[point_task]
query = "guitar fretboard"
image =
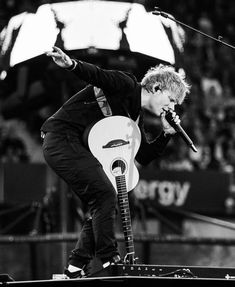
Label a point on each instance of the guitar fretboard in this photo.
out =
(123, 201)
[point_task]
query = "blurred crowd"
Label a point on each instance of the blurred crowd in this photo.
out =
(210, 109)
(208, 114)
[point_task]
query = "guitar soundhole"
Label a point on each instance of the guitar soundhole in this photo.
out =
(118, 167)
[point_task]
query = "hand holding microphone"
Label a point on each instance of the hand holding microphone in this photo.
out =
(173, 119)
(167, 127)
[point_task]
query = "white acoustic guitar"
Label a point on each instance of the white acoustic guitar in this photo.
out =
(114, 141)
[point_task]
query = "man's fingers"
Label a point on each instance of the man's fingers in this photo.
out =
(49, 53)
(55, 52)
(57, 49)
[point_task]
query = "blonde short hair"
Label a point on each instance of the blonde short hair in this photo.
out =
(164, 77)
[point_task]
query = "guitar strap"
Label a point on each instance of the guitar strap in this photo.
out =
(102, 102)
(104, 105)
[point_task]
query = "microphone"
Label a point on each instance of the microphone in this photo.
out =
(158, 12)
(180, 130)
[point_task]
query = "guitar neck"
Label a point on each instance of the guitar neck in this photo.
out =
(123, 201)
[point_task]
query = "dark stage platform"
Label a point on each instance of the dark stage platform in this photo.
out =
(124, 275)
(124, 281)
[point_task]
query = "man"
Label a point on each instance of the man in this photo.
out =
(108, 93)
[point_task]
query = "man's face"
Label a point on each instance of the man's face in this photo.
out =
(162, 100)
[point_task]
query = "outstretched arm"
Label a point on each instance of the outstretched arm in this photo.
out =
(108, 80)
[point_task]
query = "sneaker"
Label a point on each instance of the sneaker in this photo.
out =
(116, 259)
(76, 274)
(82, 273)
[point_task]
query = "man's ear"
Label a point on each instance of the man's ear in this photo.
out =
(156, 87)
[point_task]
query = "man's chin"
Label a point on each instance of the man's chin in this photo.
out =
(157, 113)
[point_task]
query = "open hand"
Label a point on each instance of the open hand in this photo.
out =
(59, 57)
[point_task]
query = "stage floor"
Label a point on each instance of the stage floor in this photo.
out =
(124, 281)
(124, 275)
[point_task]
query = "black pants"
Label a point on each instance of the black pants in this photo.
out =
(75, 164)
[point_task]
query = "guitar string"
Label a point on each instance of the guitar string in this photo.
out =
(127, 228)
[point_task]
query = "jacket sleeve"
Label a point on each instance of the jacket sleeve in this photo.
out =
(107, 80)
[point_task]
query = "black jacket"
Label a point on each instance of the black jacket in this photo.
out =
(123, 93)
